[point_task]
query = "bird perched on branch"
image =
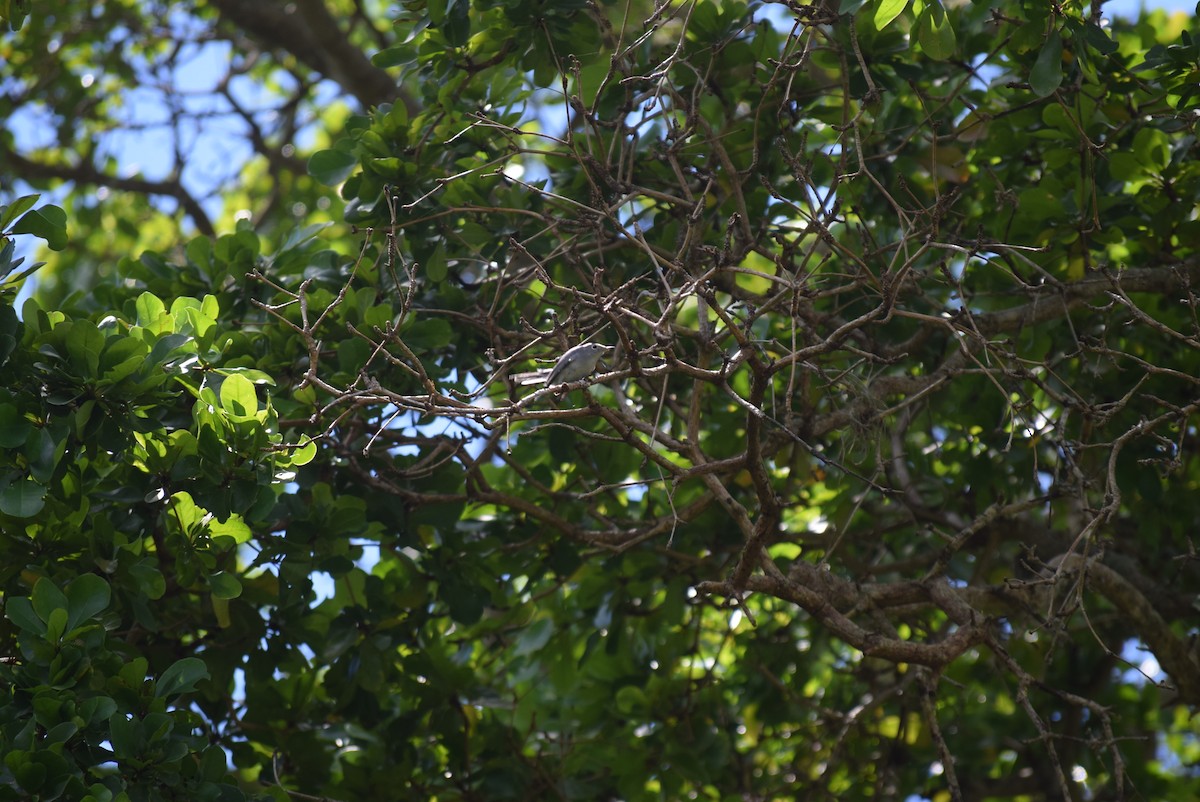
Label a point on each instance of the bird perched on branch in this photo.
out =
(577, 363)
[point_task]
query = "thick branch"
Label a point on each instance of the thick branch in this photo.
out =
(85, 173)
(307, 31)
(816, 591)
(1170, 650)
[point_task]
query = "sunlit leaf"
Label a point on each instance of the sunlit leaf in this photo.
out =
(886, 11)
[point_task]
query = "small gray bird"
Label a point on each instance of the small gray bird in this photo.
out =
(577, 363)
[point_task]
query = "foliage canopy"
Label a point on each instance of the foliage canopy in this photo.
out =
(886, 490)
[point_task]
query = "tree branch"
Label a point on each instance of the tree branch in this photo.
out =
(85, 173)
(306, 30)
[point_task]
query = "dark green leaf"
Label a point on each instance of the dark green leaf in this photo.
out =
(1047, 73)
(13, 13)
(14, 427)
(84, 344)
(392, 57)
(1098, 40)
(225, 586)
(428, 335)
(457, 25)
(436, 266)
(331, 167)
(149, 580)
(15, 209)
(534, 638)
(47, 598)
(125, 735)
(19, 610)
(87, 595)
(48, 222)
(23, 498)
(96, 709)
(181, 677)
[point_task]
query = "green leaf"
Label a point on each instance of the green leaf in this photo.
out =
(133, 673)
(304, 454)
(19, 610)
(935, 33)
(96, 709)
(47, 598)
(238, 397)
(149, 310)
(1095, 38)
(9, 326)
(15, 209)
(84, 344)
(61, 732)
(181, 677)
(166, 346)
(14, 427)
(1152, 149)
(13, 13)
(234, 528)
(457, 25)
(29, 774)
(428, 334)
(8, 260)
(149, 580)
(464, 599)
(225, 585)
(436, 265)
(56, 624)
(888, 10)
(1047, 74)
(253, 374)
(125, 735)
(43, 451)
(393, 56)
(220, 608)
(48, 222)
(87, 595)
(24, 498)
(534, 637)
(187, 512)
(332, 167)
(630, 700)
(199, 252)
(214, 763)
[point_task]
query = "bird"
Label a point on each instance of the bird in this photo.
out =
(577, 363)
